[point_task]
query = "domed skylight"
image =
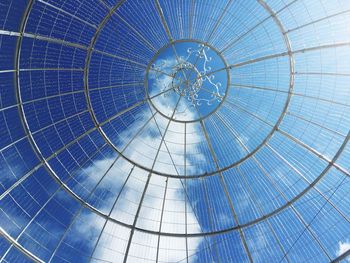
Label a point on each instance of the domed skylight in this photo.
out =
(174, 130)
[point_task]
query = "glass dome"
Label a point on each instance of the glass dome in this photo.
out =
(174, 131)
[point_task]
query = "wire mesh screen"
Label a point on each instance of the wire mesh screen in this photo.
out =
(174, 131)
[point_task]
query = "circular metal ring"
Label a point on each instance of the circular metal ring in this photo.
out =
(223, 169)
(52, 172)
(226, 68)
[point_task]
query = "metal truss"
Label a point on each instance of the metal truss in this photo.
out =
(290, 53)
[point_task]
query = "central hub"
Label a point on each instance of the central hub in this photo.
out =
(187, 81)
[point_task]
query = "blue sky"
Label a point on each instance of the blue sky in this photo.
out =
(255, 180)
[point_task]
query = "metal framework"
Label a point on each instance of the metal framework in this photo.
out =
(173, 43)
(275, 129)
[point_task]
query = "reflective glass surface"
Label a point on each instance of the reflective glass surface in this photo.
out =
(174, 131)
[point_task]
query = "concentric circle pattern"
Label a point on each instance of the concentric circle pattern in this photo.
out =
(174, 131)
(193, 71)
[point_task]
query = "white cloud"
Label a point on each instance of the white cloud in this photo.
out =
(173, 222)
(343, 247)
(165, 103)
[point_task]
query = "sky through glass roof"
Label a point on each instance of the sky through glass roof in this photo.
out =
(174, 131)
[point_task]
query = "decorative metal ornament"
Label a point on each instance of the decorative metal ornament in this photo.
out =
(189, 80)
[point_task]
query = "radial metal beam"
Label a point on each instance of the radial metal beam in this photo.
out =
(67, 13)
(301, 219)
(43, 38)
(70, 44)
(224, 186)
(136, 32)
(20, 180)
(218, 20)
(162, 72)
(161, 216)
(317, 21)
(323, 73)
(244, 86)
(47, 69)
(172, 42)
(343, 256)
(147, 183)
(223, 183)
(240, 86)
(162, 18)
(229, 45)
(110, 212)
(167, 30)
(9, 33)
(315, 124)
